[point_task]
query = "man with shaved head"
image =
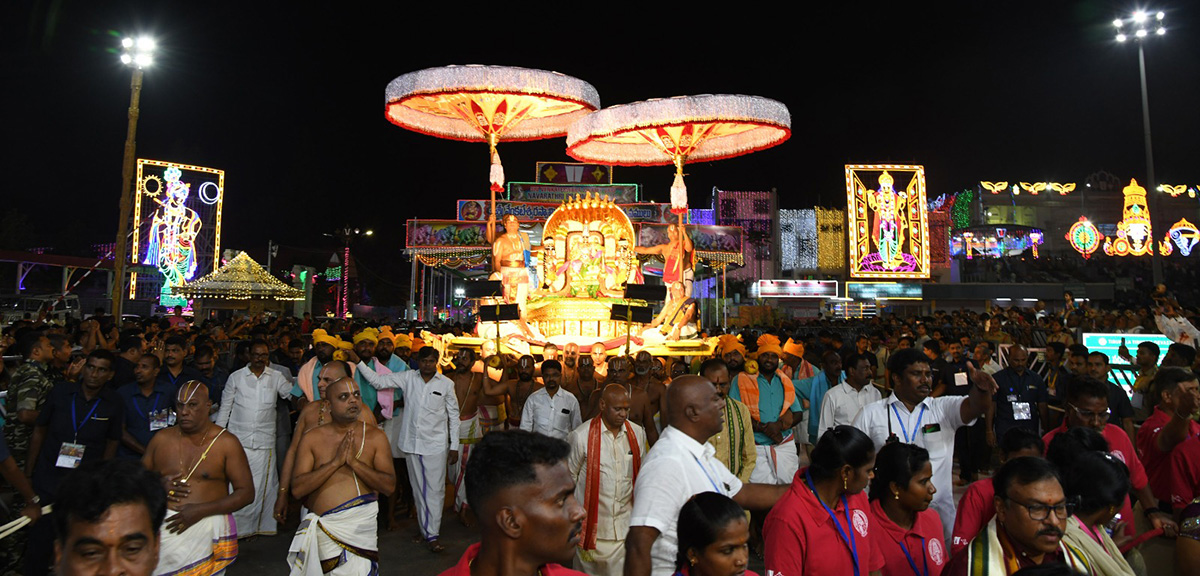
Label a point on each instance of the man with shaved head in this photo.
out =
(312, 415)
(341, 468)
(207, 478)
(680, 465)
(606, 454)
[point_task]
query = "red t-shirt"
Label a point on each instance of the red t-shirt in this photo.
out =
(1184, 482)
(976, 508)
(923, 542)
(1119, 446)
(799, 523)
(1156, 461)
(463, 568)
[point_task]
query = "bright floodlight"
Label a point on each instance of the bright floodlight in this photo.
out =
(137, 52)
(1118, 22)
(368, 232)
(1139, 16)
(1160, 31)
(1122, 37)
(1141, 33)
(1160, 15)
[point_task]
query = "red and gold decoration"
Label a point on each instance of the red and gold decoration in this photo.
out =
(488, 104)
(673, 131)
(1084, 237)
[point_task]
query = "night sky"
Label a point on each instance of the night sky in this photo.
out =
(289, 102)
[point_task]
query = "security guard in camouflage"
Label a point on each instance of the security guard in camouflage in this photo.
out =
(27, 392)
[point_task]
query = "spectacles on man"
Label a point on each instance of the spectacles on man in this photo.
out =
(1038, 512)
(1088, 415)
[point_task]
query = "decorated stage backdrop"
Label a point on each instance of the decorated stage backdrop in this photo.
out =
(888, 227)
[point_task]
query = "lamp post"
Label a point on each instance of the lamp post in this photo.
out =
(1139, 25)
(136, 54)
(345, 234)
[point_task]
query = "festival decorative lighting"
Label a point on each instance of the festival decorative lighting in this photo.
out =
(888, 228)
(1084, 237)
(241, 279)
(1033, 188)
(831, 240)
(960, 212)
(1184, 234)
(798, 239)
(677, 130)
(488, 104)
(1135, 237)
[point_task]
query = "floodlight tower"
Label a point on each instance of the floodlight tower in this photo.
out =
(137, 54)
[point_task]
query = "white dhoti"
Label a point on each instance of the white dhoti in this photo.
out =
(775, 464)
(391, 429)
(206, 548)
(258, 516)
(608, 559)
(427, 475)
(343, 540)
(470, 432)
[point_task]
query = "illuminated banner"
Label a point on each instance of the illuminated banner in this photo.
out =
(447, 234)
(726, 239)
(455, 234)
(573, 173)
(532, 192)
(476, 211)
(889, 232)
(794, 289)
(1134, 236)
(177, 224)
(883, 291)
(1110, 344)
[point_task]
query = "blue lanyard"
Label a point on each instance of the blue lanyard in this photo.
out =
(77, 424)
(912, 563)
(920, 417)
(846, 536)
(706, 475)
(138, 409)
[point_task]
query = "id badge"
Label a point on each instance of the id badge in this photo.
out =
(170, 416)
(960, 379)
(158, 420)
(1021, 411)
(1012, 397)
(70, 455)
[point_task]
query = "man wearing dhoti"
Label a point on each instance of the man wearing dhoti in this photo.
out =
(248, 411)
(209, 479)
(606, 453)
(316, 413)
(428, 435)
(468, 387)
(341, 468)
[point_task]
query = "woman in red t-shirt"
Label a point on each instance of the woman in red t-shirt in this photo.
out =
(713, 537)
(907, 532)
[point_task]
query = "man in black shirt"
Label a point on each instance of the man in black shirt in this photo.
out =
(80, 422)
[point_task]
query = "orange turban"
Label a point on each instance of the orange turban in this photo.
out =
(769, 343)
(794, 348)
(729, 343)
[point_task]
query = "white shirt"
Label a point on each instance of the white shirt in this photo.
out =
(248, 406)
(430, 423)
(676, 468)
(553, 416)
(945, 415)
(842, 403)
(615, 493)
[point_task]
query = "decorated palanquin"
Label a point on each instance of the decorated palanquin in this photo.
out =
(587, 257)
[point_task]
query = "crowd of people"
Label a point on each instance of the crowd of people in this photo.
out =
(829, 447)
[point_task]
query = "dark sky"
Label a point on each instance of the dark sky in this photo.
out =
(289, 101)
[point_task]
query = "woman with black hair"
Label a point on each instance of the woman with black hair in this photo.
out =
(908, 534)
(713, 537)
(1098, 483)
(821, 525)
